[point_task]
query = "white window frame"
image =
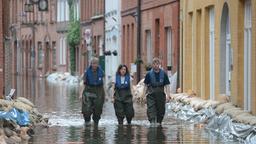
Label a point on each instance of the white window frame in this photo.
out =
(169, 46)
(212, 51)
(60, 51)
(247, 55)
(64, 50)
(149, 46)
(66, 11)
(229, 57)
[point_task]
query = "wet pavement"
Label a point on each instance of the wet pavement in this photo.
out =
(61, 104)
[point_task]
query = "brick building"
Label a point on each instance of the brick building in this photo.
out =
(39, 38)
(159, 32)
(5, 76)
(218, 50)
(92, 29)
(129, 28)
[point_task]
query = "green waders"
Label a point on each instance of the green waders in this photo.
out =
(156, 104)
(123, 105)
(92, 102)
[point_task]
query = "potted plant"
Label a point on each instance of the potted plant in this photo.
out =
(138, 61)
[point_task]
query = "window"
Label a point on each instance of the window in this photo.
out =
(52, 12)
(128, 48)
(211, 46)
(77, 8)
(149, 46)
(31, 53)
(54, 53)
(62, 52)
(40, 54)
(65, 9)
(62, 10)
(168, 33)
(247, 55)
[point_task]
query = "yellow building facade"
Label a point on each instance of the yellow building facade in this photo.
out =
(218, 50)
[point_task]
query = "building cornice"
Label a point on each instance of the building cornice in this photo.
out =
(147, 6)
(128, 12)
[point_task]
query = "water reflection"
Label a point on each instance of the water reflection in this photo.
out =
(156, 135)
(94, 134)
(60, 102)
(123, 134)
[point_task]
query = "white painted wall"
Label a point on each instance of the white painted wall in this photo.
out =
(112, 36)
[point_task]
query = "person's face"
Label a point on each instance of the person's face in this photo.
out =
(94, 65)
(122, 71)
(156, 66)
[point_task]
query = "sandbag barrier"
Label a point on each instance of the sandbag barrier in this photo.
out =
(66, 78)
(18, 118)
(222, 118)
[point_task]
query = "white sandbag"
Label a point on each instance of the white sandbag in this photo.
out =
(220, 108)
(22, 106)
(211, 103)
(26, 101)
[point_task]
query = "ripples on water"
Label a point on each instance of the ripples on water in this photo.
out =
(61, 104)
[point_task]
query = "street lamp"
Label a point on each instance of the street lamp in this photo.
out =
(43, 5)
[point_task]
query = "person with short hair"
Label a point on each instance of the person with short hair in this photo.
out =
(157, 92)
(122, 98)
(93, 94)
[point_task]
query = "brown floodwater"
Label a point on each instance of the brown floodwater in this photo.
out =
(61, 104)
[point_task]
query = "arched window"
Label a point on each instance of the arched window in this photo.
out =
(226, 54)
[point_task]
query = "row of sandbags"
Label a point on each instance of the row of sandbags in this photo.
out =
(189, 98)
(236, 113)
(10, 130)
(221, 117)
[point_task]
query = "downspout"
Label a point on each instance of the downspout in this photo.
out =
(180, 51)
(138, 40)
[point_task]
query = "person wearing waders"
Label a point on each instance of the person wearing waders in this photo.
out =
(93, 94)
(157, 91)
(122, 98)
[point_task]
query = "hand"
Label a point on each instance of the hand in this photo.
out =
(80, 97)
(113, 99)
(167, 98)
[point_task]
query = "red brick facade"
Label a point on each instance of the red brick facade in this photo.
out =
(37, 41)
(129, 29)
(157, 17)
(92, 19)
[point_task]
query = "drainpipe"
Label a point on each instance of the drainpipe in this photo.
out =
(138, 40)
(180, 46)
(104, 27)
(180, 49)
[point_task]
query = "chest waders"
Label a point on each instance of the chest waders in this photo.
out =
(93, 95)
(92, 103)
(123, 105)
(156, 98)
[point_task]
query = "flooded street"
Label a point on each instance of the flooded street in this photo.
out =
(61, 104)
